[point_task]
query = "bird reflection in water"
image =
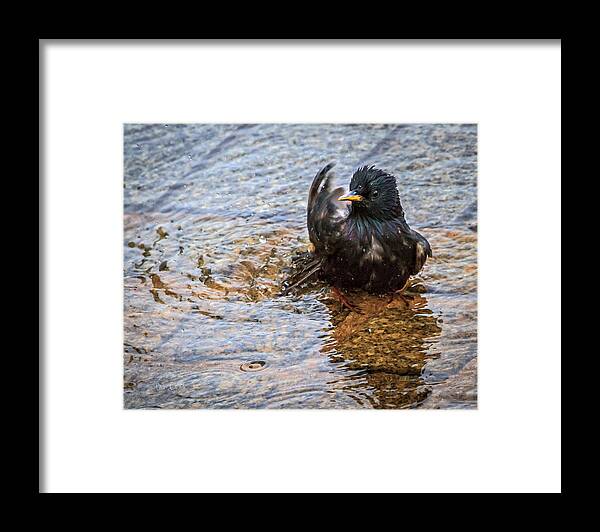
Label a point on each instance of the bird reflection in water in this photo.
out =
(388, 343)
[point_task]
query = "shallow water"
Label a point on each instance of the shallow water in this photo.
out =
(213, 216)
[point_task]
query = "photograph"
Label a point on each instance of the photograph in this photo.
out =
(300, 266)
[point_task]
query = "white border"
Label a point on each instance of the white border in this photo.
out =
(512, 443)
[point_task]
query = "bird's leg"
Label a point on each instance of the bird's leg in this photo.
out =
(399, 293)
(344, 301)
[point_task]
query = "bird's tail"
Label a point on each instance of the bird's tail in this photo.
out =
(305, 266)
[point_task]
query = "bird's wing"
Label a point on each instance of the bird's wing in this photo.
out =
(324, 214)
(324, 217)
(422, 251)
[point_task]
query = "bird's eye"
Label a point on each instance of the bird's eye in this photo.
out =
(374, 193)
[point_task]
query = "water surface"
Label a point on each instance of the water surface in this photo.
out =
(213, 216)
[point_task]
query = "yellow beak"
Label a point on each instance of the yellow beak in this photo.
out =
(351, 196)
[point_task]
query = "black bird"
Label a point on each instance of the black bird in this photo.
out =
(363, 244)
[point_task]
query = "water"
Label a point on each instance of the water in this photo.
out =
(213, 215)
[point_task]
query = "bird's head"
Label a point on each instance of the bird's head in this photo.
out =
(373, 192)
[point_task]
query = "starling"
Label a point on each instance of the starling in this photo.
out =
(361, 239)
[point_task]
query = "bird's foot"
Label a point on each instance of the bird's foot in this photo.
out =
(344, 301)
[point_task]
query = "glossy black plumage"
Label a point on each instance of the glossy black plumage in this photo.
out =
(364, 243)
